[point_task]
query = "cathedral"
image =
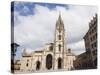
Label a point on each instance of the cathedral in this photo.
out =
(55, 56)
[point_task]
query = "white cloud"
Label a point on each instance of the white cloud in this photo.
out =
(77, 47)
(34, 31)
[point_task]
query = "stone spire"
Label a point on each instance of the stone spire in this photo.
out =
(59, 43)
(59, 23)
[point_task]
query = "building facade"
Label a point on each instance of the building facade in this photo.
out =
(91, 36)
(83, 61)
(91, 40)
(13, 54)
(55, 56)
(88, 59)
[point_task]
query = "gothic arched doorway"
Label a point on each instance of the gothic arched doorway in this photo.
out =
(49, 61)
(38, 65)
(59, 63)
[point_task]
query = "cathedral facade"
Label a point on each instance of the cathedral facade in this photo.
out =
(55, 56)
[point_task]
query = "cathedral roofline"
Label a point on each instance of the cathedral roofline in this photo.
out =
(70, 54)
(49, 43)
(38, 51)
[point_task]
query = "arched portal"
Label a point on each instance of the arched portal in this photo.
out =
(59, 63)
(38, 65)
(49, 61)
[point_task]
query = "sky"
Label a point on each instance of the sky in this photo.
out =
(34, 24)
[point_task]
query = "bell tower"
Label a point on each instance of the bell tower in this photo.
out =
(59, 44)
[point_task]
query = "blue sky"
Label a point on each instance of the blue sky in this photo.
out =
(19, 6)
(34, 24)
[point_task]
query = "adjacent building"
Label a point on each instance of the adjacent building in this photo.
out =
(83, 61)
(91, 40)
(88, 59)
(14, 49)
(91, 36)
(13, 54)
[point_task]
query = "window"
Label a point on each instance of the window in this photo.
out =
(95, 44)
(92, 30)
(51, 48)
(49, 61)
(91, 38)
(59, 29)
(59, 47)
(38, 65)
(27, 64)
(59, 36)
(59, 63)
(92, 45)
(96, 35)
